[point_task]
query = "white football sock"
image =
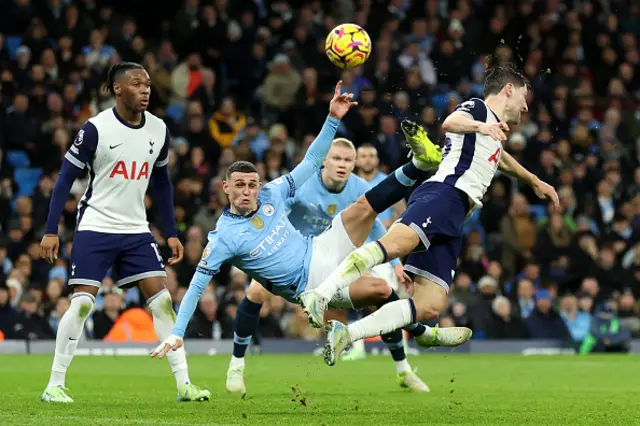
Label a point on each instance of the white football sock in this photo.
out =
(164, 318)
(388, 318)
(236, 363)
(357, 263)
(402, 366)
(69, 333)
(425, 167)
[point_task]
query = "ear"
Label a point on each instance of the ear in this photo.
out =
(225, 187)
(117, 89)
(508, 89)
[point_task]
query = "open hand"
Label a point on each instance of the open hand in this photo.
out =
(545, 191)
(340, 103)
(171, 343)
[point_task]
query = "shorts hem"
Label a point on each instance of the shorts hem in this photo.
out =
(140, 276)
(423, 237)
(428, 275)
(85, 281)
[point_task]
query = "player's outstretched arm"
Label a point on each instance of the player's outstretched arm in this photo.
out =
(512, 167)
(317, 152)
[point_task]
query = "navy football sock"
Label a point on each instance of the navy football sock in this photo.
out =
(395, 187)
(395, 344)
(247, 319)
(415, 329)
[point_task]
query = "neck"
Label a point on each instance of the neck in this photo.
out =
(368, 176)
(332, 185)
(497, 105)
(243, 212)
(132, 117)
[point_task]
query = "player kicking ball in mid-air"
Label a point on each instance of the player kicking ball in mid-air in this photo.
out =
(256, 235)
(312, 209)
(430, 232)
(123, 148)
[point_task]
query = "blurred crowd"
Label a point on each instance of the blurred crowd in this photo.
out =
(248, 80)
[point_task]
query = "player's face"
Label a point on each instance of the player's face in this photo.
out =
(339, 163)
(135, 89)
(516, 104)
(367, 159)
(242, 190)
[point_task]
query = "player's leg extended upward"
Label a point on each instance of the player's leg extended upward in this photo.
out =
(359, 217)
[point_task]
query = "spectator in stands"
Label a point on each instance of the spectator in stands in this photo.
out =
(544, 322)
(104, 319)
(518, 235)
(505, 325)
(225, 124)
(9, 316)
(205, 323)
(31, 323)
(577, 322)
(606, 333)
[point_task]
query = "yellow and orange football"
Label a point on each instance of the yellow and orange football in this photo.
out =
(348, 46)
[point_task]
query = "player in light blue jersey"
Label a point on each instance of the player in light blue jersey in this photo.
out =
(314, 206)
(367, 168)
(255, 234)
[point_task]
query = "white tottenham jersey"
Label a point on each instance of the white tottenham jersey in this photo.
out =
(120, 158)
(469, 161)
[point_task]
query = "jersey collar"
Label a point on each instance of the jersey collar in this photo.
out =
(143, 119)
(227, 212)
(331, 191)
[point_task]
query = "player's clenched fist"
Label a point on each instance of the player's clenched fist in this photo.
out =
(177, 250)
(49, 248)
(171, 343)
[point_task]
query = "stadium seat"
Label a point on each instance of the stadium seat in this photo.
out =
(18, 159)
(439, 102)
(12, 43)
(538, 212)
(27, 180)
(175, 112)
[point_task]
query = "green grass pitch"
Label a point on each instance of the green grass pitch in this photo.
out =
(301, 390)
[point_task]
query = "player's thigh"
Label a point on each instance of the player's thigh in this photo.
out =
(139, 259)
(358, 220)
(433, 271)
(329, 249)
(256, 293)
(368, 290)
(92, 255)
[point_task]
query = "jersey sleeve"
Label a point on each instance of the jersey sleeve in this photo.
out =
(213, 256)
(163, 158)
(284, 186)
(474, 109)
(84, 146)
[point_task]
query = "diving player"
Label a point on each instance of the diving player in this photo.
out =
(311, 211)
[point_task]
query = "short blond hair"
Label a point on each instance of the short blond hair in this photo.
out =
(346, 143)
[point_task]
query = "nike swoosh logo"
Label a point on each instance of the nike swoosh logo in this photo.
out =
(114, 146)
(72, 339)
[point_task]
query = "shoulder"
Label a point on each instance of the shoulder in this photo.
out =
(358, 182)
(474, 107)
(155, 123)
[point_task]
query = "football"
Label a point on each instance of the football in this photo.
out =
(348, 46)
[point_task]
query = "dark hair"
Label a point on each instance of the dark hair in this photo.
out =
(117, 71)
(241, 167)
(500, 75)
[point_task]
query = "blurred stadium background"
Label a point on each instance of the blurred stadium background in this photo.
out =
(248, 79)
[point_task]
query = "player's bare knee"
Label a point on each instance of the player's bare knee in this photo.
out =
(426, 312)
(379, 289)
(257, 294)
(360, 210)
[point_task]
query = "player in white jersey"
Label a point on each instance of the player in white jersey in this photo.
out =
(124, 149)
(430, 232)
